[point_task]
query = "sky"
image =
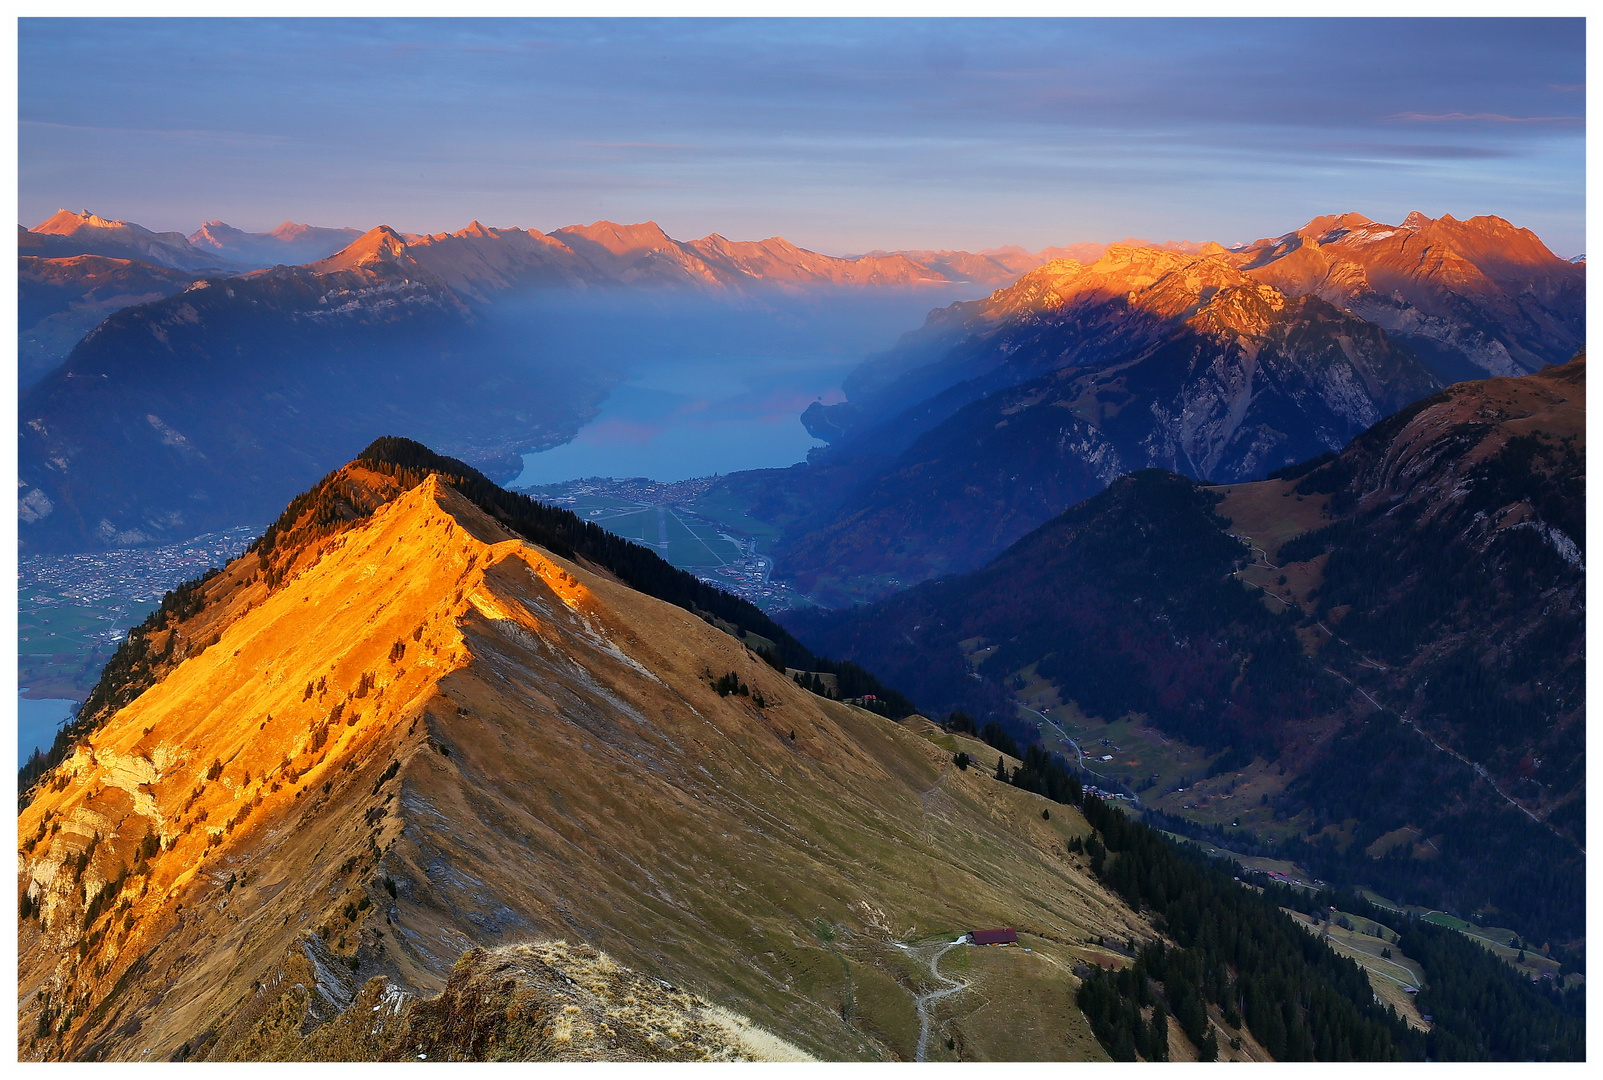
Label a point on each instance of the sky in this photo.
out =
(842, 135)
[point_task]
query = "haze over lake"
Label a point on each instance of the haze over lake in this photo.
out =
(705, 388)
(674, 419)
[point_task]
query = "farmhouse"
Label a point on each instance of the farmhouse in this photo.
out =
(1008, 936)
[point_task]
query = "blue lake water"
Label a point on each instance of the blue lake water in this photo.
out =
(676, 419)
(37, 721)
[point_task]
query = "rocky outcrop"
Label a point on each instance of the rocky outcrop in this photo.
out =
(1151, 358)
(1476, 297)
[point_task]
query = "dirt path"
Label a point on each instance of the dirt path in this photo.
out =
(922, 1001)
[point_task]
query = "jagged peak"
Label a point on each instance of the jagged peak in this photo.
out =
(291, 230)
(213, 231)
(769, 244)
(379, 244)
(65, 221)
(1417, 222)
(1120, 256)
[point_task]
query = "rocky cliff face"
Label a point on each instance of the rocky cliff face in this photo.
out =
(1064, 313)
(1473, 297)
(1151, 359)
(401, 732)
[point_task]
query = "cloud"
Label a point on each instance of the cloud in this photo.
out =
(1405, 151)
(174, 133)
(1490, 118)
(646, 145)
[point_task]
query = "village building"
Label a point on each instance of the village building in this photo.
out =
(1008, 936)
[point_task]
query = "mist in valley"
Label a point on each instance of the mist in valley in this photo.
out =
(702, 385)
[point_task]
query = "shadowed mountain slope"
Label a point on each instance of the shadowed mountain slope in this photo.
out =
(61, 300)
(213, 407)
(1398, 629)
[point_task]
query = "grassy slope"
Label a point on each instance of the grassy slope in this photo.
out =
(544, 787)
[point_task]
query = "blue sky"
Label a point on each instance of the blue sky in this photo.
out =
(842, 135)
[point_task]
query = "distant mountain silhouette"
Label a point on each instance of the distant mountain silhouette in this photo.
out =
(289, 244)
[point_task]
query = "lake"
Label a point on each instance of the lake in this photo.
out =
(37, 722)
(704, 385)
(675, 419)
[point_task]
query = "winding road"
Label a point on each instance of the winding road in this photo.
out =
(922, 1001)
(1081, 764)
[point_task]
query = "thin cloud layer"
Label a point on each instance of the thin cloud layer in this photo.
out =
(843, 135)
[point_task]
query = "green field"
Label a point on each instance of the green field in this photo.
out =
(61, 648)
(1497, 940)
(683, 539)
(1164, 772)
(722, 506)
(1367, 944)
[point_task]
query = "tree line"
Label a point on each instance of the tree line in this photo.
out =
(1233, 948)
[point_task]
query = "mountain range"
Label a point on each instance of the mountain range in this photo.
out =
(1221, 364)
(476, 260)
(289, 244)
(1472, 297)
(434, 771)
(186, 405)
(601, 253)
(64, 234)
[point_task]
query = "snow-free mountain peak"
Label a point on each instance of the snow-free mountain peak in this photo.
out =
(379, 244)
(65, 222)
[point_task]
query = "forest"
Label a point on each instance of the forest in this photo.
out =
(1235, 949)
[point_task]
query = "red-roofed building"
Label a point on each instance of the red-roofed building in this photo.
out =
(994, 937)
